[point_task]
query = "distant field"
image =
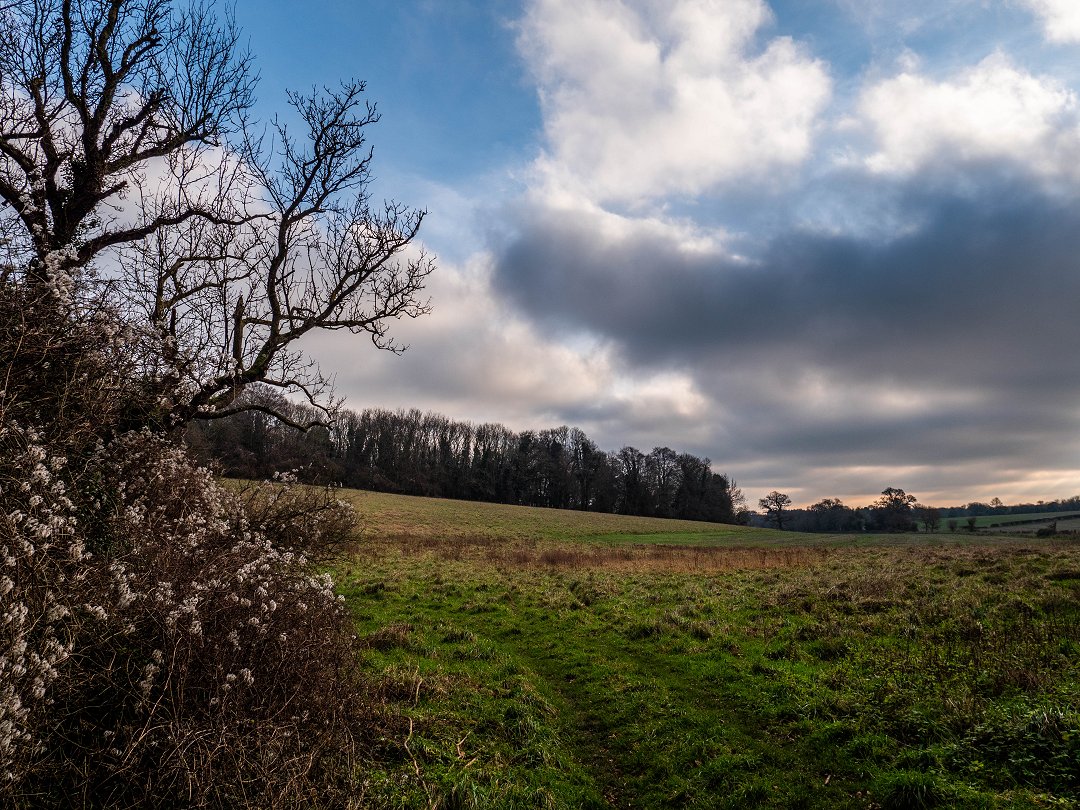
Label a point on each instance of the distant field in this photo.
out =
(387, 516)
(533, 658)
(1028, 523)
(384, 516)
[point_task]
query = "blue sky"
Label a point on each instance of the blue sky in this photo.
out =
(830, 245)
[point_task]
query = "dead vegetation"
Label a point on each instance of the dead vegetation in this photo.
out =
(626, 558)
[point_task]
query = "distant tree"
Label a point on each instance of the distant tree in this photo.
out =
(952, 524)
(663, 473)
(892, 511)
(929, 515)
(775, 504)
(587, 464)
(635, 497)
(971, 523)
(831, 515)
(738, 502)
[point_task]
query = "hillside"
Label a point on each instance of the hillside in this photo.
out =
(384, 516)
(540, 658)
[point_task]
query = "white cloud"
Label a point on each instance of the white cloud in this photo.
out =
(1060, 18)
(648, 98)
(474, 359)
(991, 111)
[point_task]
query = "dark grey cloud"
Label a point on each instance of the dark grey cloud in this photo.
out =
(976, 295)
(950, 345)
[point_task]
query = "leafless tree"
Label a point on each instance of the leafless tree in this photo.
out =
(929, 515)
(775, 504)
(131, 176)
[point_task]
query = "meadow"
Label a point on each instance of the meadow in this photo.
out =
(535, 658)
(1026, 522)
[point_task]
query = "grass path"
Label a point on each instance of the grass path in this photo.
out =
(530, 667)
(580, 719)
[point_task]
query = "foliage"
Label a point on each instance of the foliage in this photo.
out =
(289, 515)
(157, 646)
(165, 641)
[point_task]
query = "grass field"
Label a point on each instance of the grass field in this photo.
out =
(392, 516)
(531, 658)
(986, 521)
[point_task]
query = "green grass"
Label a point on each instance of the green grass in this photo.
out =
(528, 670)
(985, 521)
(386, 517)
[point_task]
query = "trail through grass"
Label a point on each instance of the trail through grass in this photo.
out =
(538, 672)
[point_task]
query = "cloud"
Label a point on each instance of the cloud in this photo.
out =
(892, 317)
(693, 265)
(953, 285)
(475, 359)
(1060, 18)
(992, 111)
(647, 99)
(946, 348)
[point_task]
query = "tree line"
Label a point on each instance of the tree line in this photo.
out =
(419, 453)
(894, 511)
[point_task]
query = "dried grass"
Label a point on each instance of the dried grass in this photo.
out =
(624, 558)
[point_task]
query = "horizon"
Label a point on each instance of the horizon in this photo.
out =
(829, 248)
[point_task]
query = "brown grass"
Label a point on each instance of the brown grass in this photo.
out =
(626, 558)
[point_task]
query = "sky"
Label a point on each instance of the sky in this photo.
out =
(832, 245)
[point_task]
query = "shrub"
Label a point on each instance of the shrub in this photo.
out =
(158, 647)
(292, 515)
(189, 660)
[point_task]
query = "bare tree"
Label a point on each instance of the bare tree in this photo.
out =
(93, 92)
(929, 515)
(775, 504)
(132, 177)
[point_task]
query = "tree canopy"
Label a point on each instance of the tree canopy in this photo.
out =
(134, 182)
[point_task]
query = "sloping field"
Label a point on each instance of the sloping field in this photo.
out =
(1005, 521)
(387, 516)
(523, 661)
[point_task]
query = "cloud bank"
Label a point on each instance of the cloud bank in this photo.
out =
(830, 265)
(905, 322)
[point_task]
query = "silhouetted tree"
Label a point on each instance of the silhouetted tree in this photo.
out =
(418, 453)
(892, 511)
(123, 134)
(775, 505)
(634, 496)
(831, 515)
(929, 515)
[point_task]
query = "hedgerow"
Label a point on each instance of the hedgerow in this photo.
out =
(163, 640)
